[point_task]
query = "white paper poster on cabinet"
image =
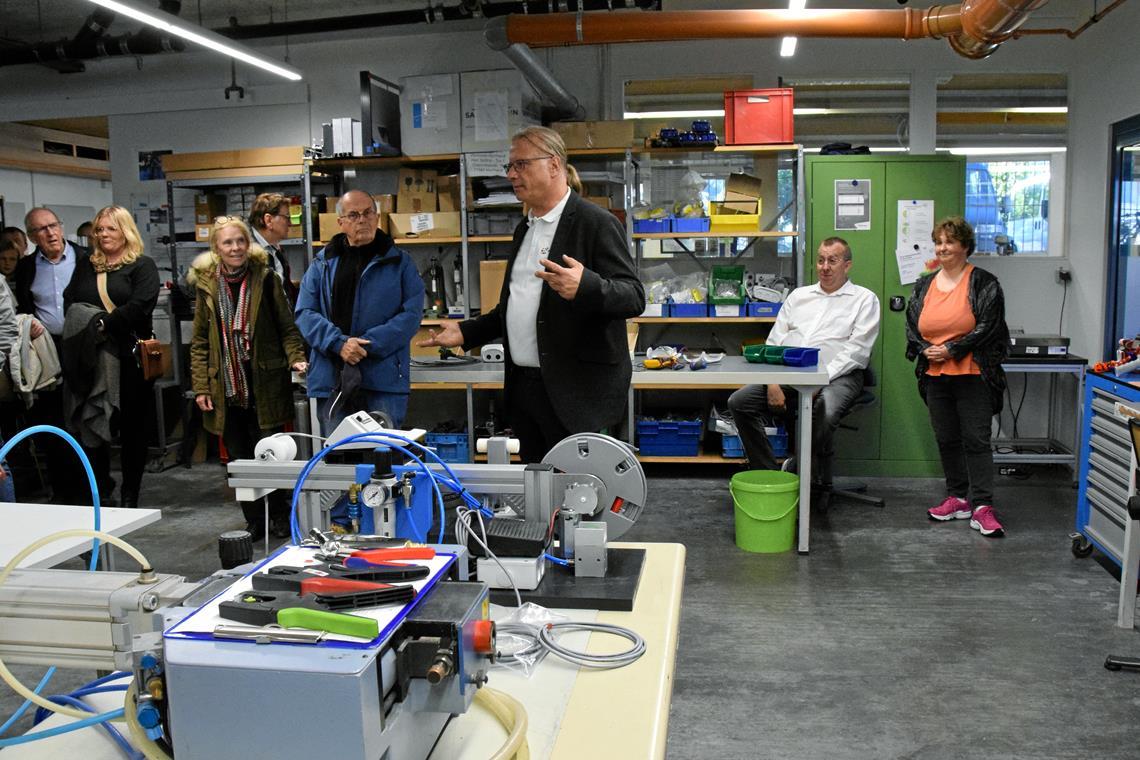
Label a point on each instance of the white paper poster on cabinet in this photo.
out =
(852, 204)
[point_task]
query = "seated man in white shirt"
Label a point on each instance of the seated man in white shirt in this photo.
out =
(839, 318)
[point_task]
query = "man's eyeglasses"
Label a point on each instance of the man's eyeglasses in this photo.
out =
(830, 262)
(521, 163)
(44, 228)
(356, 216)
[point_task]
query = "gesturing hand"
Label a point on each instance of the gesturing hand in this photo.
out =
(354, 350)
(448, 335)
(564, 280)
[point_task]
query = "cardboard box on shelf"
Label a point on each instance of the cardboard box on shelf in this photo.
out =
(202, 232)
(430, 115)
(439, 224)
(598, 200)
(416, 192)
(595, 134)
(293, 155)
(207, 207)
(447, 192)
(296, 231)
(495, 105)
(385, 206)
(491, 276)
(742, 194)
(328, 226)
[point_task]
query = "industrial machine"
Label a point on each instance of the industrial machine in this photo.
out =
(211, 686)
(588, 490)
(351, 642)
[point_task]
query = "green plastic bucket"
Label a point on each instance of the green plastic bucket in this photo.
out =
(765, 509)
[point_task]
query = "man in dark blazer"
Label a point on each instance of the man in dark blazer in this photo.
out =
(561, 315)
(40, 279)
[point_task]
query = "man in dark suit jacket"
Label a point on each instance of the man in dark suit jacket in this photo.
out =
(561, 314)
(40, 280)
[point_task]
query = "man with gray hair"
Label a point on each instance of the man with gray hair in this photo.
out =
(562, 309)
(40, 280)
(839, 318)
(360, 304)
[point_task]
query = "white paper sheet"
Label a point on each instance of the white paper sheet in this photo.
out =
(913, 246)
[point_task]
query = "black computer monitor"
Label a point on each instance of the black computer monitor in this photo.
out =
(379, 115)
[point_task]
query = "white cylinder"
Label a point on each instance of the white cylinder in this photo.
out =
(512, 445)
(278, 447)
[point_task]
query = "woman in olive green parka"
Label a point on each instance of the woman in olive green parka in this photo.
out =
(243, 347)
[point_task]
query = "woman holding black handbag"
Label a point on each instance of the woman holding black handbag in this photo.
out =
(117, 286)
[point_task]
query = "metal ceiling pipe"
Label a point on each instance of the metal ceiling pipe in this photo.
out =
(465, 10)
(974, 28)
(85, 50)
(563, 101)
(95, 25)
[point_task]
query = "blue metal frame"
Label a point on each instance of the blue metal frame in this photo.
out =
(1124, 133)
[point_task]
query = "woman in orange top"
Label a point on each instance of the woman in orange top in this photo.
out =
(957, 333)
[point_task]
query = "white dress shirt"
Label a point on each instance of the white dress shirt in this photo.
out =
(843, 325)
(47, 288)
(526, 289)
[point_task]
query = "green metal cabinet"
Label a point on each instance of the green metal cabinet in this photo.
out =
(893, 436)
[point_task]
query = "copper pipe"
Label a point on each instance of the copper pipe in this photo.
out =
(1073, 34)
(975, 28)
(608, 28)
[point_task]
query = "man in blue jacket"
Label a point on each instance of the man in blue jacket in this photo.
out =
(359, 306)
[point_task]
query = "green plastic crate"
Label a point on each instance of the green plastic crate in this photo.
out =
(722, 274)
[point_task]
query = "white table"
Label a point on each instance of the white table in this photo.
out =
(24, 523)
(730, 373)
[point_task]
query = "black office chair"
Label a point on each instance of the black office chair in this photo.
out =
(855, 490)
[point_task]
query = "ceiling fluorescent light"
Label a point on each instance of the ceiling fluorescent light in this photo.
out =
(1035, 109)
(788, 44)
(196, 34)
(711, 113)
(990, 150)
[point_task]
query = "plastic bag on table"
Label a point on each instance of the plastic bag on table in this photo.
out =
(516, 637)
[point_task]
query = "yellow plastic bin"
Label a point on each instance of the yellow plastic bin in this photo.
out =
(765, 504)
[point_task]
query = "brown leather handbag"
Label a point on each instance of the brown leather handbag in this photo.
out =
(147, 351)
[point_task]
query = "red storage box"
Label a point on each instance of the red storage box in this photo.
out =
(756, 117)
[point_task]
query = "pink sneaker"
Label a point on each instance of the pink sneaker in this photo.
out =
(951, 508)
(985, 521)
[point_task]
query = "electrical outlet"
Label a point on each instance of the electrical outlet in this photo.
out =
(1064, 275)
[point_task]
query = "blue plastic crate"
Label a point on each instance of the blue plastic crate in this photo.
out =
(451, 447)
(779, 443)
(763, 309)
(801, 357)
(669, 437)
(688, 310)
(651, 225)
(732, 447)
(684, 224)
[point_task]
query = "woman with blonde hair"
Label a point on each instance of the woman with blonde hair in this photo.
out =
(112, 293)
(244, 343)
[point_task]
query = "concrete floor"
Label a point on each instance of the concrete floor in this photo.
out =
(895, 638)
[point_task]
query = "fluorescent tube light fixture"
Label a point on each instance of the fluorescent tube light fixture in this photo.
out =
(788, 44)
(204, 37)
(993, 150)
(710, 113)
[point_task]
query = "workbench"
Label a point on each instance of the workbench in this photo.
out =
(24, 523)
(730, 373)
